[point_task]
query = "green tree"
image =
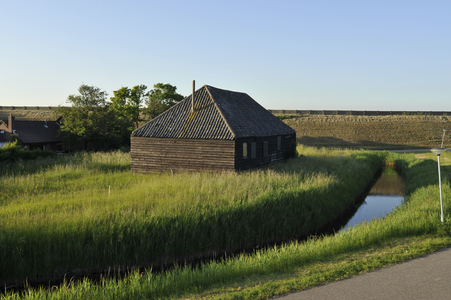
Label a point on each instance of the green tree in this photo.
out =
(138, 96)
(90, 97)
(89, 120)
(119, 101)
(126, 104)
(14, 138)
(161, 98)
(119, 108)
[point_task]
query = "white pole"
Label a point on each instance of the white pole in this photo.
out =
(440, 185)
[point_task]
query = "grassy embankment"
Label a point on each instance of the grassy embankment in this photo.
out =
(370, 132)
(411, 230)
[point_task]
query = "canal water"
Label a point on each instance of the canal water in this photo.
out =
(384, 196)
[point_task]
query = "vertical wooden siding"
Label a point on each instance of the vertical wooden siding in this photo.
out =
(260, 160)
(159, 154)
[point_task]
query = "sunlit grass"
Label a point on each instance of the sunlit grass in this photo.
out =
(445, 158)
(88, 211)
(411, 230)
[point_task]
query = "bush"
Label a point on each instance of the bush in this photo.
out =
(283, 117)
(12, 152)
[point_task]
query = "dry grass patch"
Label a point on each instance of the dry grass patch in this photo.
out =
(370, 132)
(32, 115)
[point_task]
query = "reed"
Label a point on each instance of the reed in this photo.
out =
(58, 217)
(269, 272)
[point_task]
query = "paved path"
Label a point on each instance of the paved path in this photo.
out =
(413, 150)
(427, 277)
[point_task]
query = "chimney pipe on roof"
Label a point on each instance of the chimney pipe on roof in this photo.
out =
(10, 123)
(192, 96)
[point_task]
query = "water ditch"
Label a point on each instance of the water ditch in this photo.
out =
(384, 193)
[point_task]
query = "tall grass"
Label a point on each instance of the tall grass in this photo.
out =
(418, 216)
(59, 217)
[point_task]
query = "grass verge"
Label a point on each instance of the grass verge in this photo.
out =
(336, 268)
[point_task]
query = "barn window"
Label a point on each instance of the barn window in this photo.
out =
(265, 149)
(245, 150)
(279, 143)
(253, 150)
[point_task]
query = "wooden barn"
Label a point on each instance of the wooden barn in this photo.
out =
(214, 130)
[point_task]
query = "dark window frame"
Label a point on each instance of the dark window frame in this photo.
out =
(245, 152)
(253, 150)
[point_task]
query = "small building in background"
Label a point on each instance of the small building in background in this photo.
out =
(219, 130)
(32, 134)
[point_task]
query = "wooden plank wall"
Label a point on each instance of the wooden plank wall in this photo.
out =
(274, 155)
(160, 154)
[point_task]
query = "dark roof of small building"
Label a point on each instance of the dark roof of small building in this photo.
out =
(218, 114)
(34, 132)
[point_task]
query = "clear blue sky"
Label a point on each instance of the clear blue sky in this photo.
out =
(331, 54)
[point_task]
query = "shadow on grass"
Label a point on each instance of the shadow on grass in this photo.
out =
(277, 217)
(422, 174)
(25, 167)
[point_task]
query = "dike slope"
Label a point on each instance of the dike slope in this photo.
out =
(370, 132)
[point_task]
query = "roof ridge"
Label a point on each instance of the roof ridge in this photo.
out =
(219, 110)
(225, 90)
(177, 104)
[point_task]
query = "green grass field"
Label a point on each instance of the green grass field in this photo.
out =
(87, 213)
(59, 217)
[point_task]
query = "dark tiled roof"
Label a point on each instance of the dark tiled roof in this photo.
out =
(31, 132)
(219, 114)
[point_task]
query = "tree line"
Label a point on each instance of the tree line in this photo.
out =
(98, 122)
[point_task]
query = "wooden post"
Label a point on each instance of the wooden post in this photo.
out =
(192, 96)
